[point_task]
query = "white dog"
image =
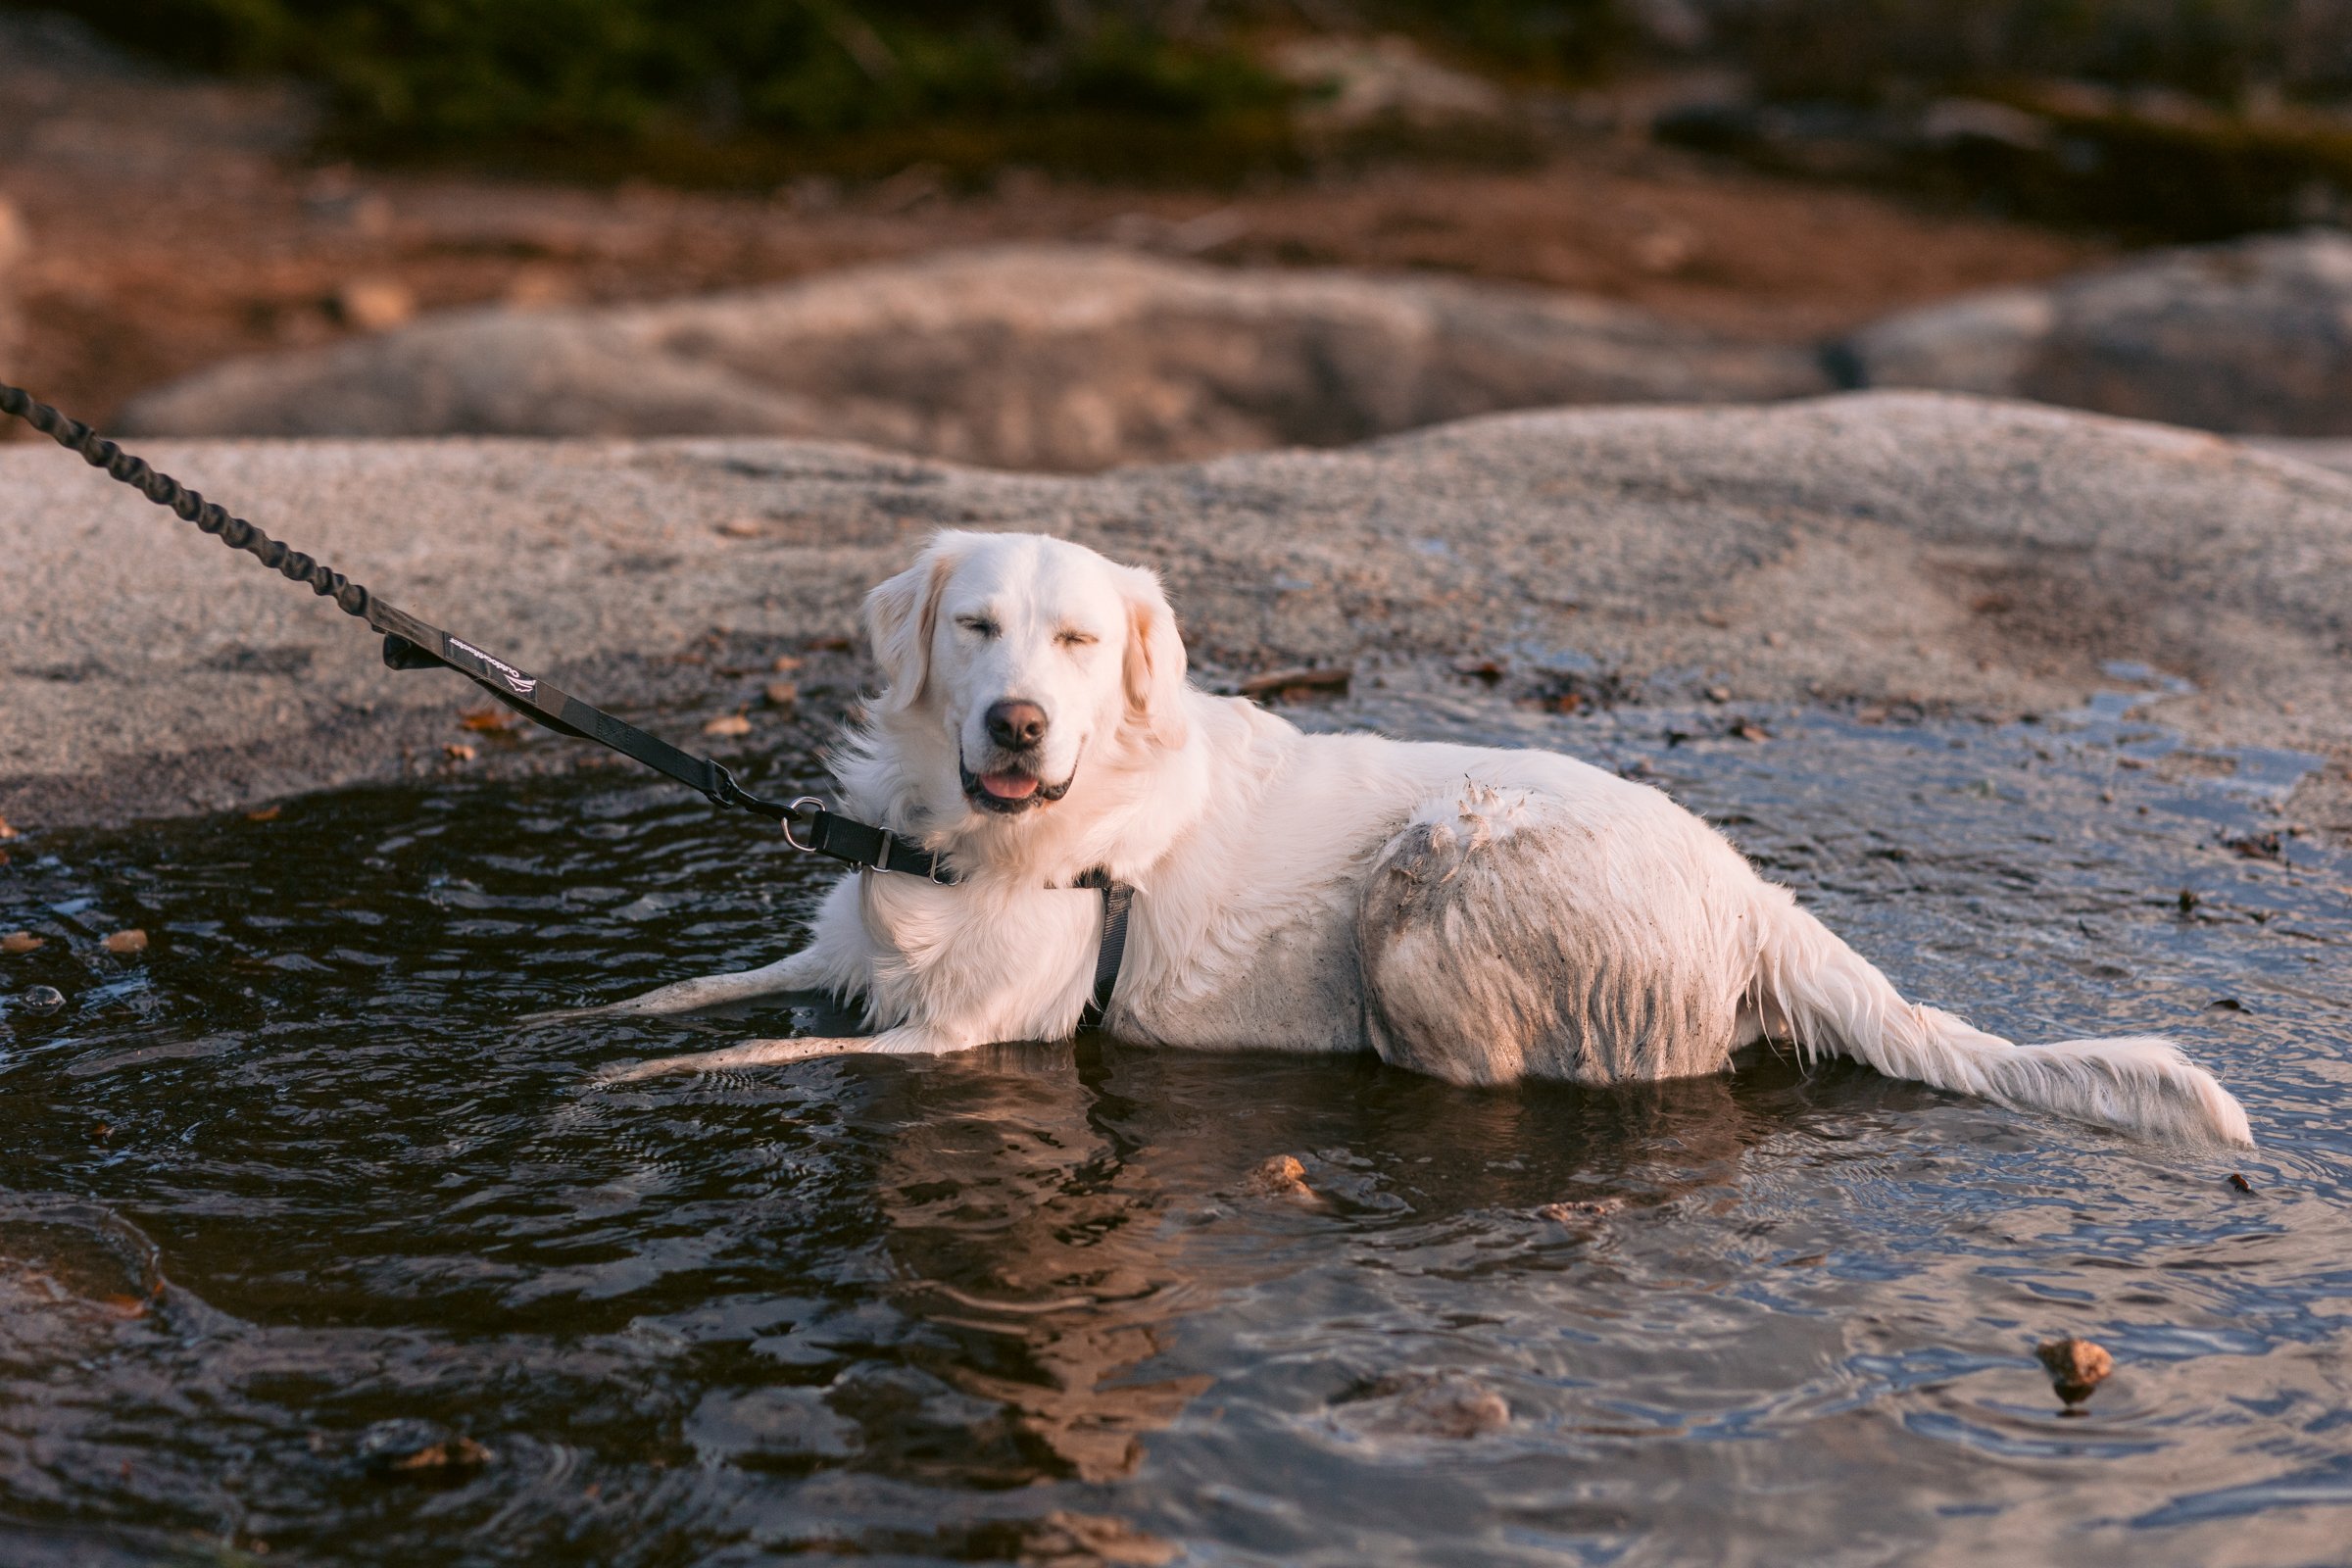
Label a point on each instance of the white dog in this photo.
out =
(1480, 915)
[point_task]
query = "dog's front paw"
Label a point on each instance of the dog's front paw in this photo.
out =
(530, 1020)
(752, 1054)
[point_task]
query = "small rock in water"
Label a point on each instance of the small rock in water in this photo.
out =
(1585, 1208)
(458, 752)
(412, 1446)
(126, 942)
(41, 998)
(6, 832)
(731, 725)
(1427, 1404)
(2256, 846)
(1280, 1177)
(2076, 1367)
(17, 941)
(2238, 1180)
(780, 694)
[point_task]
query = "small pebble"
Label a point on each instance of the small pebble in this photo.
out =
(2076, 1367)
(780, 694)
(374, 304)
(458, 1454)
(730, 724)
(1424, 1405)
(409, 1446)
(19, 942)
(1280, 1177)
(6, 832)
(2239, 1181)
(126, 942)
(41, 998)
(785, 664)
(458, 752)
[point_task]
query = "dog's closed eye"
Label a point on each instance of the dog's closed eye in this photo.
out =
(1072, 637)
(979, 626)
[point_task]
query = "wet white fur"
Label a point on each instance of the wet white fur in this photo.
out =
(1480, 914)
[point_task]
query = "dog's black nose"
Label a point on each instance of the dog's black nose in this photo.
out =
(1015, 726)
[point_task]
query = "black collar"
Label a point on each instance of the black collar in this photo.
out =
(861, 844)
(810, 828)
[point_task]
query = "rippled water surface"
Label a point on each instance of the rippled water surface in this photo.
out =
(307, 1249)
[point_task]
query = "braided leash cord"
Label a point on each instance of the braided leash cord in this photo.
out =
(165, 490)
(413, 644)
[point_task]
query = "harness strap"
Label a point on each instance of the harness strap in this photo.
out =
(1117, 899)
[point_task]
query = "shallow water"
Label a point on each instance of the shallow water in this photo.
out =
(291, 1186)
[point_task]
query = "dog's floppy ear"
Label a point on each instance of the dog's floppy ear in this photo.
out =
(1153, 669)
(901, 615)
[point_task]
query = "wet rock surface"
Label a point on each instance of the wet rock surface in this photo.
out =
(1055, 358)
(2254, 336)
(1901, 553)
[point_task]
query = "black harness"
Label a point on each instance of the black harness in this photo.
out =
(413, 644)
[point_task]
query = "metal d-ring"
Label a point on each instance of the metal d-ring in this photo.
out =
(815, 807)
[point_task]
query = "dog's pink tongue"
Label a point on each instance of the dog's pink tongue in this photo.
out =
(1009, 786)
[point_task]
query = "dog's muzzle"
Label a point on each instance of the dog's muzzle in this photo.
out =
(1010, 789)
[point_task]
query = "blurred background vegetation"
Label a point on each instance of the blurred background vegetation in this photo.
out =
(719, 90)
(2222, 50)
(2183, 119)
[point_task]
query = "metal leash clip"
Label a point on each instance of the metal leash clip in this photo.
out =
(792, 811)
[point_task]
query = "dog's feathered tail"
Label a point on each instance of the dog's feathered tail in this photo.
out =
(1832, 1000)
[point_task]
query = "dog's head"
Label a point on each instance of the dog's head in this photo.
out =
(1037, 657)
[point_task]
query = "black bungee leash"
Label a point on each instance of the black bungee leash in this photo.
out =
(414, 644)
